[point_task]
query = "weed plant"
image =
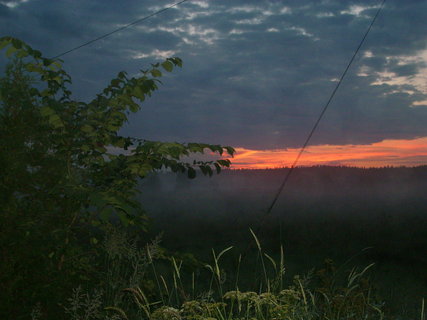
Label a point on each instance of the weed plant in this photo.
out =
(145, 283)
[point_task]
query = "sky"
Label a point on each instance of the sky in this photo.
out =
(256, 74)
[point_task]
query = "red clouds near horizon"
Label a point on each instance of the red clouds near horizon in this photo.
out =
(385, 153)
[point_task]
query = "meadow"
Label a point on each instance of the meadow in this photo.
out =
(341, 243)
(352, 216)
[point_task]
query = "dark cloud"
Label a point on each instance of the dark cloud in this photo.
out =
(256, 73)
(4, 11)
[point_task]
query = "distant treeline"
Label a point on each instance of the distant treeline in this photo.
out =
(389, 182)
(312, 193)
(393, 199)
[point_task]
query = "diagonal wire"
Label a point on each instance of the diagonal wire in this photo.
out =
(119, 29)
(288, 174)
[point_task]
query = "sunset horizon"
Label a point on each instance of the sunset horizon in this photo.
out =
(386, 153)
(263, 159)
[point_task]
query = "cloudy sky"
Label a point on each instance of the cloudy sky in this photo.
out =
(256, 74)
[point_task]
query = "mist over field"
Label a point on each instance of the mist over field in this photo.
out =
(341, 81)
(374, 215)
(310, 192)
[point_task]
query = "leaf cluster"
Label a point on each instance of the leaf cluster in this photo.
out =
(84, 136)
(65, 172)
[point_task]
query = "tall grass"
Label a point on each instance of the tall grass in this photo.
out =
(144, 283)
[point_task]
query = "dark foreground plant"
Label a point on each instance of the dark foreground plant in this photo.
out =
(323, 294)
(66, 174)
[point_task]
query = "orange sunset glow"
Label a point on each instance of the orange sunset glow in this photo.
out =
(385, 153)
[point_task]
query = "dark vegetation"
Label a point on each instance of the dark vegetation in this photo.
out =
(76, 242)
(365, 215)
(60, 185)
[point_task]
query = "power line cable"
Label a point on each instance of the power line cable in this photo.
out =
(285, 180)
(324, 110)
(316, 124)
(119, 29)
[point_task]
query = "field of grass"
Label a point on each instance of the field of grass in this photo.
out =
(340, 244)
(146, 282)
(353, 216)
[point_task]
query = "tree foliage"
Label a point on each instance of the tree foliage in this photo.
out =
(80, 136)
(60, 171)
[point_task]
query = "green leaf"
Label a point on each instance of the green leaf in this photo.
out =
(45, 93)
(22, 54)
(216, 148)
(148, 85)
(46, 62)
(124, 219)
(140, 169)
(191, 173)
(156, 73)
(120, 143)
(100, 148)
(138, 93)
(10, 51)
(37, 54)
(87, 128)
(127, 100)
(195, 147)
(34, 92)
(17, 43)
(4, 43)
(57, 64)
(177, 61)
(168, 66)
(230, 150)
(97, 199)
(46, 111)
(85, 148)
(134, 107)
(33, 67)
(206, 170)
(115, 83)
(224, 163)
(112, 127)
(106, 213)
(58, 79)
(56, 121)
